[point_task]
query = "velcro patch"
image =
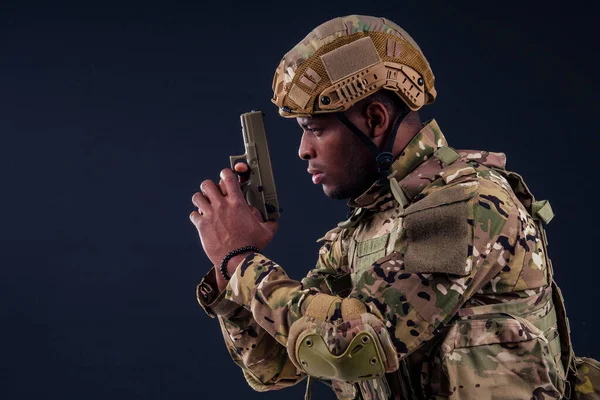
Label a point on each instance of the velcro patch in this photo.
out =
(312, 74)
(299, 96)
(435, 230)
(308, 83)
(350, 58)
(393, 48)
(391, 45)
(369, 251)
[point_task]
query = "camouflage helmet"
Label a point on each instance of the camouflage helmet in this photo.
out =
(347, 59)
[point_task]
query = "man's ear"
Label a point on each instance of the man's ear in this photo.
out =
(377, 118)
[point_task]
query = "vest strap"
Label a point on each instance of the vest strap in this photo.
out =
(542, 210)
(447, 155)
(398, 193)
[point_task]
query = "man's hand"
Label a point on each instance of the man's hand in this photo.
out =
(225, 221)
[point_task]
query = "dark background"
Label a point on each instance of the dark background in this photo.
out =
(112, 114)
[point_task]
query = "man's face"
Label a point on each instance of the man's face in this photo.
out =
(336, 158)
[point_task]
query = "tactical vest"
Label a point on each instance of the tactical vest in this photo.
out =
(578, 378)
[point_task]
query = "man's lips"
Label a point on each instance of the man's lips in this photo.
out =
(317, 176)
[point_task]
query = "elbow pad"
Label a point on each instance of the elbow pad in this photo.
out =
(355, 347)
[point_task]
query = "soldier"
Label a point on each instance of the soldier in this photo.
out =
(437, 285)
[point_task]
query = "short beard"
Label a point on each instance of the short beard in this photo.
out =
(361, 175)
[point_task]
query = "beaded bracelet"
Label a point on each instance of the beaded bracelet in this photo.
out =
(223, 267)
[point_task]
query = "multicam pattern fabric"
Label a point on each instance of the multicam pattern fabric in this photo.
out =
(301, 75)
(331, 30)
(471, 318)
(586, 382)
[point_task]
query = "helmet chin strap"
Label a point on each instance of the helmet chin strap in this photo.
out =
(384, 157)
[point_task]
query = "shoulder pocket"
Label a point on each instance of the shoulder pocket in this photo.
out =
(436, 231)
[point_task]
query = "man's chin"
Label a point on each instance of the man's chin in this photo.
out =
(335, 192)
(348, 192)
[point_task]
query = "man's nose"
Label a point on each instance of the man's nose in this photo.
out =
(306, 151)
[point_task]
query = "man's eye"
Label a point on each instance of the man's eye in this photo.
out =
(314, 131)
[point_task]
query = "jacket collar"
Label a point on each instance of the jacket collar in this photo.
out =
(420, 148)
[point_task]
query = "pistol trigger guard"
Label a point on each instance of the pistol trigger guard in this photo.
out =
(244, 175)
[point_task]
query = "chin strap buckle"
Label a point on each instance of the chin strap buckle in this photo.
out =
(384, 164)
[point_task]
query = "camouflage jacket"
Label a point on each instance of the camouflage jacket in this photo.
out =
(453, 272)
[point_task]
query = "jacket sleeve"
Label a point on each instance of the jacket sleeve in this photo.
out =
(452, 243)
(262, 357)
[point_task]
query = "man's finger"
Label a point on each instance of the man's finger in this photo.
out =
(223, 187)
(201, 202)
(195, 217)
(240, 167)
(243, 171)
(211, 191)
(232, 185)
